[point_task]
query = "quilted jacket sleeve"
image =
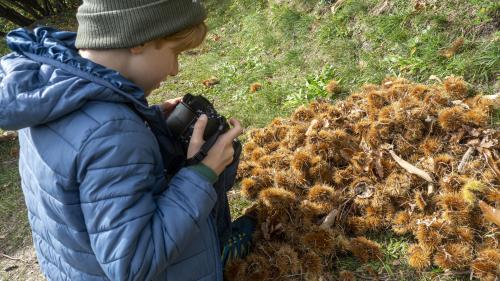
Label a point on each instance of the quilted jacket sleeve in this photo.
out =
(134, 234)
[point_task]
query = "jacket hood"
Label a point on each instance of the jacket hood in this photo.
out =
(45, 78)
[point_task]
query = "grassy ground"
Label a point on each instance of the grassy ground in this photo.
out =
(293, 48)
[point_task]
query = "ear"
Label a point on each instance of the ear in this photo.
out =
(137, 49)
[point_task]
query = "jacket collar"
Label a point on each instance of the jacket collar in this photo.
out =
(59, 46)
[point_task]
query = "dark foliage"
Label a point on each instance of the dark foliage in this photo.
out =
(25, 12)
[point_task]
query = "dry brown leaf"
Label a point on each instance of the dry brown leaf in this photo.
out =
(491, 162)
(490, 214)
(329, 219)
(311, 127)
(465, 159)
(255, 87)
(211, 82)
(410, 168)
(453, 49)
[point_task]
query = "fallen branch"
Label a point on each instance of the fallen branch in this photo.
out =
(410, 168)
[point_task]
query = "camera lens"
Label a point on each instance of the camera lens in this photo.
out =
(181, 119)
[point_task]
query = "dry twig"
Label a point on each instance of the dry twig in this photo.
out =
(12, 258)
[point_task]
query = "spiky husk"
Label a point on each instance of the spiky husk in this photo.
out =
(365, 249)
(287, 260)
(346, 275)
(487, 264)
(401, 223)
(419, 257)
(453, 256)
(332, 159)
(319, 240)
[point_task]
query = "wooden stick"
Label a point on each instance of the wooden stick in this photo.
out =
(410, 168)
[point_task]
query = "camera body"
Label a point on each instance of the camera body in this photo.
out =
(182, 119)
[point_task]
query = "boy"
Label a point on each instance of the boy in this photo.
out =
(92, 175)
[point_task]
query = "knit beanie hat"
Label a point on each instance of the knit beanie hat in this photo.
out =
(113, 24)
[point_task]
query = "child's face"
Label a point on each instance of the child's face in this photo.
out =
(152, 65)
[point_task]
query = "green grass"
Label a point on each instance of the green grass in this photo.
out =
(394, 265)
(14, 230)
(294, 48)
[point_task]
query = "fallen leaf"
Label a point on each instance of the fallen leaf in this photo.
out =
(211, 82)
(490, 214)
(255, 87)
(268, 229)
(216, 37)
(309, 131)
(329, 219)
(491, 162)
(453, 49)
(419, 5)
(410, 168)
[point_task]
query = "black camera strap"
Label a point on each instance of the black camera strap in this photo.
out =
(198, 157)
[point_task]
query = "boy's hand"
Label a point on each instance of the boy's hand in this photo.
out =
(222, 152)
(196, 140)
(168, 106)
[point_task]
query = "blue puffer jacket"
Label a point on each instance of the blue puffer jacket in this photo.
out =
(98, 203)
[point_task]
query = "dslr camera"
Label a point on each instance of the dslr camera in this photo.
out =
(182, 119)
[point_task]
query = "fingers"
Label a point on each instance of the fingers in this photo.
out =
(235, 131)
(199, 128)
(169, 105)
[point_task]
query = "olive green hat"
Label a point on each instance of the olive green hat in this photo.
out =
(112, 24)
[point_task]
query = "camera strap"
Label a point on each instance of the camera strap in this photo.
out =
(198, 157)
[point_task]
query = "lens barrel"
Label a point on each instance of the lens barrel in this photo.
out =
(181, 118)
